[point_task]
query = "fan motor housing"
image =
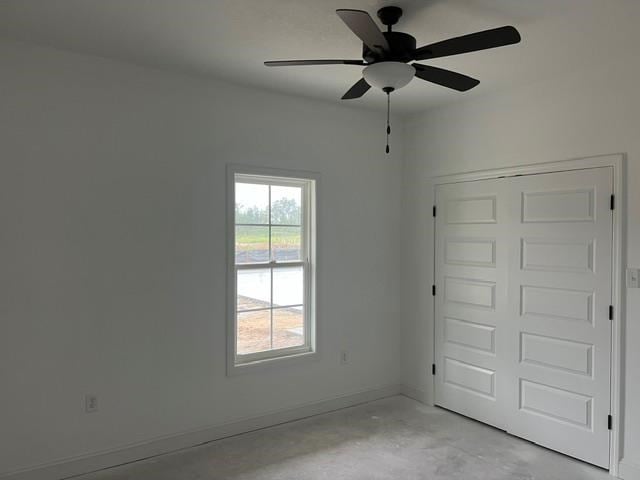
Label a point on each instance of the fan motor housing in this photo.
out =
(401, 46)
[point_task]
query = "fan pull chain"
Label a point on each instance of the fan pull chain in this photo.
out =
(388, 123)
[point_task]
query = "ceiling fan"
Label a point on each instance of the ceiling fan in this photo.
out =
(386, 55)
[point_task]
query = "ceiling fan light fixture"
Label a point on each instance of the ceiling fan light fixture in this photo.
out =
(388, 75)
(384, 54)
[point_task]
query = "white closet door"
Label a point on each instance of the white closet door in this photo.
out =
(470, 304)
(559, 333)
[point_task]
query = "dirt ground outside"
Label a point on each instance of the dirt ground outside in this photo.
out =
(254, 328)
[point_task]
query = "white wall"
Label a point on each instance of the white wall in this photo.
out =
(112, 239)
(585, 114)
(112, 251)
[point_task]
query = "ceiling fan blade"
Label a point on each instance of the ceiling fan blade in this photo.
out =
(293, 63)
(446, 78)
(496, 37)
(361, 23)
(357, 90)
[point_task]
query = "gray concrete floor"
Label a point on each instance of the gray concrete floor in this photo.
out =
(393, 438)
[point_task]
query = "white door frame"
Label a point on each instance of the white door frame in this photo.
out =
(618, 163)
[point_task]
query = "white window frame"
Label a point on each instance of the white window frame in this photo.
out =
(268, 176)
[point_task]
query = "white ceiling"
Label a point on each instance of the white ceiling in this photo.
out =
(230, 39)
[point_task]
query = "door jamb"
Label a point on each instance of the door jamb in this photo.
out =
(618, 163)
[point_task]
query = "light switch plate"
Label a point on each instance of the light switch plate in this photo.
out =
(633, 277)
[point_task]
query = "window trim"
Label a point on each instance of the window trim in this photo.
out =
(281, 356)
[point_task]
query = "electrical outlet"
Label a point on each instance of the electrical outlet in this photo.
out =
(633, 278)
(90, 403)
(344, 357)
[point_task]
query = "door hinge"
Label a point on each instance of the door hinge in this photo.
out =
(610, 422)
(434, 211)
(433, 369)
(610, 312)
(433, 290)
(613, 202)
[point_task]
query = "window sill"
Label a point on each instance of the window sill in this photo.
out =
(234, 369)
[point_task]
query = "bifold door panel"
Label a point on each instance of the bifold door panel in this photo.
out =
(523, 336)
(559, 351)
(471, 258)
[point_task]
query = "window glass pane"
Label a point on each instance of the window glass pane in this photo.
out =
(288, 327)
(254, 332)
(288, 286)
(286, 243)
(254, 289)
(252, 203)
(286, 205)
(252, 244)
(271, 303)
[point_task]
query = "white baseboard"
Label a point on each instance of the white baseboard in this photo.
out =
(89, 463)
(628, 470)
(415, 393)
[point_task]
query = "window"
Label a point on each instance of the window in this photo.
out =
(273, 264)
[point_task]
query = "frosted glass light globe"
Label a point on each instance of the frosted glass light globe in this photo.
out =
(393, 75)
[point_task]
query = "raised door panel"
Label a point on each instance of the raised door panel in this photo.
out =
(555, 404)
(561, 205)
(470, 334)
(470, 210)
(574, 255)
(562, 304)
(477, 252)
(556, 353)
(475, 380)
(470, 292)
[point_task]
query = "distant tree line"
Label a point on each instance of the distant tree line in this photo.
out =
(284, 211)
